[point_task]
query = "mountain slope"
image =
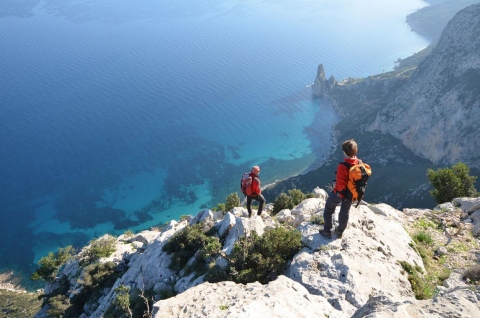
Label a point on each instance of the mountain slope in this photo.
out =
(436, 113)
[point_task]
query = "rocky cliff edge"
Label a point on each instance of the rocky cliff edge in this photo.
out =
(358, 275)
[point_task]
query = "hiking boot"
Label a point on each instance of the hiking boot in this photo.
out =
(325, 233)
(338, 233)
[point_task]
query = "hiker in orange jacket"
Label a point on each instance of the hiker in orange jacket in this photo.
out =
(339, 194)
(256, 192)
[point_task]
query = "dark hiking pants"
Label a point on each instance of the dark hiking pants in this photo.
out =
(260, 199)
(332, 202)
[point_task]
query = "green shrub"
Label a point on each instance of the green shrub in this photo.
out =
(288, 201)
(281, 202)
(217, 274)
(184, 217)
(99, 274)
(472, 273)
(296, 196)
(212, 247)
(220, 207)
(452, 183)
(50, 264)
(101, 247)
(185, 243)
(420, 286)
(232, 201)
(423, 237)
(317, 219)
(95, 278)
(128, 233)
(122, 301)
(256, 258)
(60, 307)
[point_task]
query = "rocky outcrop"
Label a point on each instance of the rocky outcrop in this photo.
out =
(280, 298)
(357, 275)
(436, 113)
(321, 86)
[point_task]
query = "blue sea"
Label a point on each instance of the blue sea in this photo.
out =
(121, 114)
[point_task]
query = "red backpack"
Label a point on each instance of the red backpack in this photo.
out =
(246, 183)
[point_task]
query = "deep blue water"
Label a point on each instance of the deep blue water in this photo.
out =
(119, 114)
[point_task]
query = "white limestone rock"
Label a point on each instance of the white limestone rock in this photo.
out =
(320, 193)
(242, 227)
(309, 206)
(239, 212)
(475, 217)
(386, 210)
(468, 205)
(280, 298)
(447, 206)
(187, 282)
(301, 218)
(226, 224)
(146, 270)
(202, 216)
(362, 263)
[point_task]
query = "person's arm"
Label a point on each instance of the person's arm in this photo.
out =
(256, 189)
(342, 178)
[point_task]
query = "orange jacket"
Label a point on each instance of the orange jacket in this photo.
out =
(341, 177)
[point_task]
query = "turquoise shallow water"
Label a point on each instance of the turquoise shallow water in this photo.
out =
(116, 115)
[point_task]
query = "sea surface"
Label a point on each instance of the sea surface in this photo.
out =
(121, 114)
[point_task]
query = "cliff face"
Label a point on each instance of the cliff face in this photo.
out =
(437, 111)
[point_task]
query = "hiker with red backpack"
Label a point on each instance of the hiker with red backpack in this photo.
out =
(349, 185)
(251, 187)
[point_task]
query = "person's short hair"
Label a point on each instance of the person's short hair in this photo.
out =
(255, 169)
(350, 147)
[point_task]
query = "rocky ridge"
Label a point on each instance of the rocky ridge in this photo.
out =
(357, 275)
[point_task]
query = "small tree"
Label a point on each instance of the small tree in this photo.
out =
(232, 201)
(450, 183)
(297, 197)
(98, 248)
(122, 300)
(288, 201)
(50, 264)
(282, 201)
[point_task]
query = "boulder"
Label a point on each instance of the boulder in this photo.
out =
(309, 206)
(242, 227)
(320, 193)
(468, 205)
(475, 217)
(202, 216)
(301, 218)
(145, 237)
(239, 212)
(226, 224)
